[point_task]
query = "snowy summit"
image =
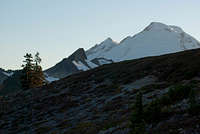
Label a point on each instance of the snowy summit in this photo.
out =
(155, 39)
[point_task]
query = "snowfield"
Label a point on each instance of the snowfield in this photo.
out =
(155, 39)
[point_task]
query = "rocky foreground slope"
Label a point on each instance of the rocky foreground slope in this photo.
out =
(100, 101)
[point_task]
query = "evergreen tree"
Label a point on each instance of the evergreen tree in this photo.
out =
(38, 78)
(139, 128)
(138, 109)
(32, 75)
(193, 105)
(155, 110)
(137, 120)
(37, 59)
(27, 72)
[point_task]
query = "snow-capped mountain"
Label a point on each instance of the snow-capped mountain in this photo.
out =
(99, 49)
(76, 62)
(155, 39)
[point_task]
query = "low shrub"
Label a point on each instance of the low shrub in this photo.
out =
(152, 112)
(194, 107)
(179, 92)
(165, 100)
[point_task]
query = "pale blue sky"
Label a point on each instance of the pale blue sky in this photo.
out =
(56, 28)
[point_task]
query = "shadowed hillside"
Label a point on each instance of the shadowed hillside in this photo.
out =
(100, 101)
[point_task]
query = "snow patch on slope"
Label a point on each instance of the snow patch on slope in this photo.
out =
(50, 79)
(176, 29)
(80, 65)
(102, 61)
(8, 74)
(92, 65)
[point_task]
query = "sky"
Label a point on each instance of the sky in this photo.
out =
(56, 28)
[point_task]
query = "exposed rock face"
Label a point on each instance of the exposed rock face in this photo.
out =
(62, 69)
(78, 55)
(76, 62)
(66, 66)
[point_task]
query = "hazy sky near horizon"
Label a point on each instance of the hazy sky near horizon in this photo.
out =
(56, 28)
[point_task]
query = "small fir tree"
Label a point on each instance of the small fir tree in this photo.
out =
(156, 110)
(138, 108)
(194, 107)
(38, 78)
(137, 120)
(27, 72)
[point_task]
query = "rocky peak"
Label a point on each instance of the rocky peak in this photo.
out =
(156, 26)
(101, 48)
(78, 55)
(108, 40)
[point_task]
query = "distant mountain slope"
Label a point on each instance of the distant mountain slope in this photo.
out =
(5, 74)
(2, 76)
(62, 69)
(69, 65)
(11, 84)
(155, 39)
(76, 62)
